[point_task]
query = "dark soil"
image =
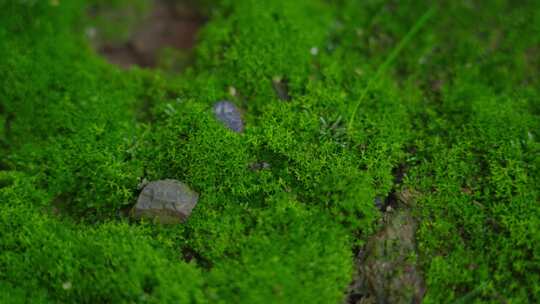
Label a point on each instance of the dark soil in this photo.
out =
(169, 25)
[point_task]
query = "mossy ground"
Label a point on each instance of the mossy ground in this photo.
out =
(459, 109)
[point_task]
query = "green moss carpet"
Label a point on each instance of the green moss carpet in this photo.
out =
(383, 98)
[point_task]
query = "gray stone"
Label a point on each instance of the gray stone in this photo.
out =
(166, 201)
(229, 115)
(387, 266)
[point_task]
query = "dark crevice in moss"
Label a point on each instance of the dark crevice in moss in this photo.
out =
(190, 255)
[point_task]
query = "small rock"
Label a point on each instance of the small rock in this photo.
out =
(387, 267)
(167, 201)
(229, 115)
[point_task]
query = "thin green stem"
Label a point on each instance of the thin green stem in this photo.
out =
(393, 55)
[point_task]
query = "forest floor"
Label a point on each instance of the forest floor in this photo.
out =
(334, 151)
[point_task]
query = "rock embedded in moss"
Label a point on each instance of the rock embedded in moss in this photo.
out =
(387, 267)
(229, 114)
(388, 271)
(166, 201)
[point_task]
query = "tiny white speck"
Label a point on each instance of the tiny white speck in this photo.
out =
(314, 51)
(67, 285)
(232, 91)
(91, 32)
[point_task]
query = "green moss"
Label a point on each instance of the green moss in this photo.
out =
(457, 111)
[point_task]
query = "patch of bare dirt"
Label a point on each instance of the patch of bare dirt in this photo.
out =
(169, 25)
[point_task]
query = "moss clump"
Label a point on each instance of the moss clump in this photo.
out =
(457, 112)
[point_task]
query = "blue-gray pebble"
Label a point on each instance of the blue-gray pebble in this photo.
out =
(230, 115)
